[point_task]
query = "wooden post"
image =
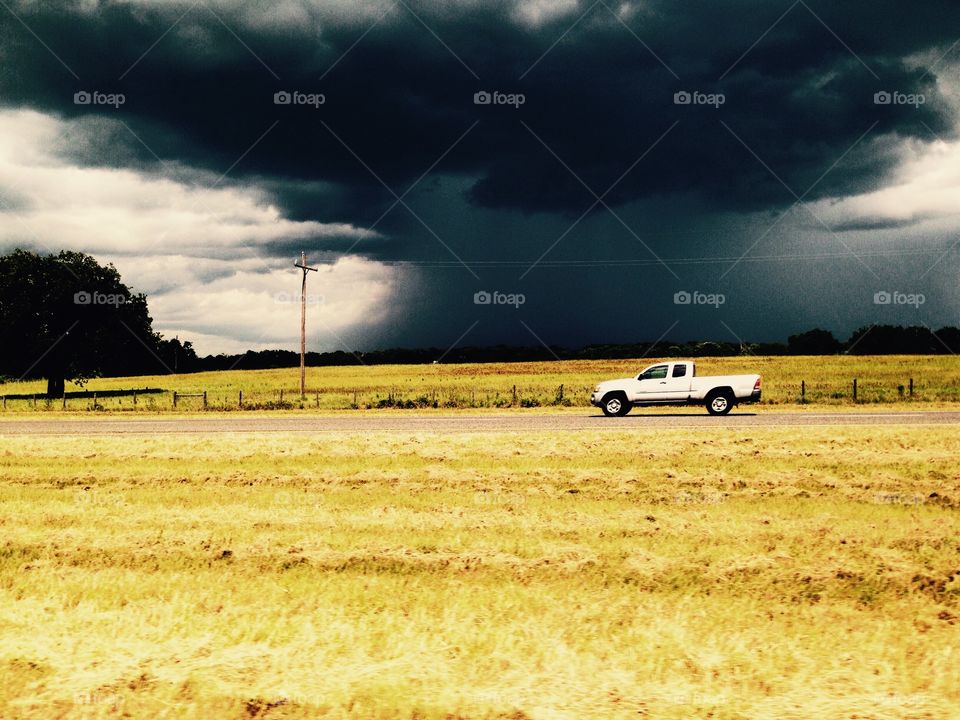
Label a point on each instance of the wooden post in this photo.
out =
(854, 389)
(134, 397)
(281, 396)
(803, 391)
(174, 398)
(34, 400)
(64, 401)
(240, 399)
(318, 398)
(514, 395)
(560, 394)
(204, 399)
(911, 387)
(94, 401)
(303, 323)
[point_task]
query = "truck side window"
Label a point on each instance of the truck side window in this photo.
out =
(655, 373)
(679, 370)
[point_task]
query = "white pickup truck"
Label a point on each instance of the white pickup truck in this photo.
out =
(675, 383)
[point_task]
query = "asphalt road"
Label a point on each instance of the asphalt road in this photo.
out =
(455, 423)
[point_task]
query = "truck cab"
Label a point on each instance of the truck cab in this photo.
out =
(667, 382)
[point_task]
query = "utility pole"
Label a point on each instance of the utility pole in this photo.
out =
(303, 322)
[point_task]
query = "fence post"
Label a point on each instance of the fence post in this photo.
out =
(803, 391)
(281, 396)
(174, 398)
(204, 399)
(94, 401)
(240, 399)
(318, 398)
(911, 387)
(560, 394)
(854, 389)
(64, 400)
(514, 395)
(134, 397)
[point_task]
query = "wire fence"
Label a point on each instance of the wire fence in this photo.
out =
(855, 391)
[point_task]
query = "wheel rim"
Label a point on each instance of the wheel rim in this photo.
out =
(613, 406)
(719, 403)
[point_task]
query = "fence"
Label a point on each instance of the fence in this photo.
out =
(856, 390)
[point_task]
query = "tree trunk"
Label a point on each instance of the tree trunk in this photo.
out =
(55, 387)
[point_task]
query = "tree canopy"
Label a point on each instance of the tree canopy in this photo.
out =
(65, 316)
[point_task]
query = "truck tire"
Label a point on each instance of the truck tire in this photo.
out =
(719, 402)
(615, 405)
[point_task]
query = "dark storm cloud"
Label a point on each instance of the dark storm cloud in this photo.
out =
(797, 101)
(799, 119)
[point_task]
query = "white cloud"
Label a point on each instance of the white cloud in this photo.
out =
(199, 251)
(122, 211)
(927, 186)
(262, 310)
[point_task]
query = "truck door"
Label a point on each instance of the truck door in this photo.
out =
(651, 384)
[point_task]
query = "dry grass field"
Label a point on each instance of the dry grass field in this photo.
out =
(828, 380)
(752, 573)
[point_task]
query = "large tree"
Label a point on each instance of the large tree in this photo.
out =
(67, 317)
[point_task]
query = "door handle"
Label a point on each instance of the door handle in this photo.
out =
(663, 382)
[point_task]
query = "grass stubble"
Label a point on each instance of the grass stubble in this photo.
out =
(749, 573)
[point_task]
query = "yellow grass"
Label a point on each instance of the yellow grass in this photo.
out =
(753, 573)
(829, 382)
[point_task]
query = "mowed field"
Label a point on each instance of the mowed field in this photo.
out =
(723, 573)
(829, 381)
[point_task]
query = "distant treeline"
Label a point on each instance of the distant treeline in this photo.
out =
(873, 340)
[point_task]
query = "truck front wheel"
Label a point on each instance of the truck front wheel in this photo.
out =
(615, 405)
(719, 403)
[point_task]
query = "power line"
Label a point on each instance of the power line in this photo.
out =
(670, 261)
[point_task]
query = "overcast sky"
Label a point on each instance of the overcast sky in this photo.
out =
(616, 171)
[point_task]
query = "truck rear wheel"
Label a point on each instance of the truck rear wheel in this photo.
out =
(615, 405)
(719, 403)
